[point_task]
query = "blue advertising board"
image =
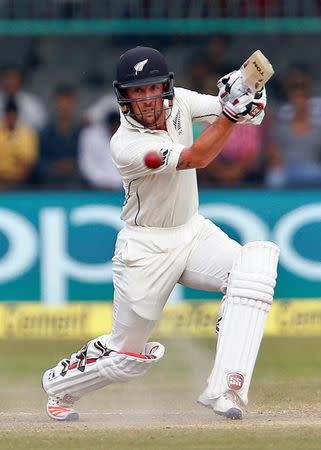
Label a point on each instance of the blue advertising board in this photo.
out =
(57, 246)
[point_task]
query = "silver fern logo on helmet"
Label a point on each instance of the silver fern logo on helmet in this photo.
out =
(140, 65)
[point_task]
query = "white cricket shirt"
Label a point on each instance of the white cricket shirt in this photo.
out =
(163, 197)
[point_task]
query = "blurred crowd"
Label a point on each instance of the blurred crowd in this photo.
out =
(62, 151)
(57, 147)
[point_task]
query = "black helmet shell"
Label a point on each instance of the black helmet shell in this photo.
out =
(141, 66)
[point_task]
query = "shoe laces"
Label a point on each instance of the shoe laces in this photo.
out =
(230, 395)
(65, 402)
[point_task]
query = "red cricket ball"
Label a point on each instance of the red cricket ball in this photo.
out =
(153, 160)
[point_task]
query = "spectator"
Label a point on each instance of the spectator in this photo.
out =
(239, 163)
(59, 143)
(95, 160)
(205, 67)
(294, 150)
(31, 110)
(18, 148)
(299, 75)
(217, 56)
(97, 112)
(197, 72)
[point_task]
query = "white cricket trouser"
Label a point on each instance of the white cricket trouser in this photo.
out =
(147, 264)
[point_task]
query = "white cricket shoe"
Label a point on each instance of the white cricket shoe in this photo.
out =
(227, 405)
(60, 409)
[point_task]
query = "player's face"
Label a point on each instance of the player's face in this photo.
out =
(148, 107)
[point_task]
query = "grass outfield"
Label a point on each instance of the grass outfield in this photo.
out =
(159, 411)
(303, 438)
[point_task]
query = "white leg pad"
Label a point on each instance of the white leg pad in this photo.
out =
(248, 300)
(95, 366)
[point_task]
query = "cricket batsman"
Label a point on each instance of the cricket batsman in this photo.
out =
(166, 241)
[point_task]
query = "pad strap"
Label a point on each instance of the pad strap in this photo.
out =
(253, 275)
(252, 285)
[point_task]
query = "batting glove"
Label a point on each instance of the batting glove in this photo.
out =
(231, 87)
(256, 113)
(236, 109)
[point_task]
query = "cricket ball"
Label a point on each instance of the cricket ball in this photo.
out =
(153, 160)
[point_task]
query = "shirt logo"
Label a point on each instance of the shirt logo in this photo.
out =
(177, 122)
(140, 65)
(165, 154)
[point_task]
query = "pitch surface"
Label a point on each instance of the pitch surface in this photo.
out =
(160, 411)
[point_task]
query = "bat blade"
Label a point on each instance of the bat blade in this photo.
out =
(256, 71)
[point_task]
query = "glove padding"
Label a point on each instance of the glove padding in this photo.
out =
(256, 113)
(238, 100)
(239, 107)
(231, 87)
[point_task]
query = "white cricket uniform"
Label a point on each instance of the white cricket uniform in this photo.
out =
(165, 240)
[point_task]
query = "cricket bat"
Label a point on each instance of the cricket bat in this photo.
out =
(256, 71)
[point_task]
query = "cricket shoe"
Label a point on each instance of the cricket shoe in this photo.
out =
(61, 409)
(226, 405)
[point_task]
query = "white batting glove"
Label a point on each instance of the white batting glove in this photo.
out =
(256, 113)
(236, 109)
(231, 87)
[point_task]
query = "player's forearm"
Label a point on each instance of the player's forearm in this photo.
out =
(207, 146)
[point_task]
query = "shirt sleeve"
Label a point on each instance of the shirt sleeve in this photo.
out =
(203, 107)
(129, 159)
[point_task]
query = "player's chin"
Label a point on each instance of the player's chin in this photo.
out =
(153, 117)
(149, 122)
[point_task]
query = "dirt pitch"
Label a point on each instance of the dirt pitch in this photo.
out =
(178, 425)
(160, 411)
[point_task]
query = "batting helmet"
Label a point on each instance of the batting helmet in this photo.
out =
(142, 66)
